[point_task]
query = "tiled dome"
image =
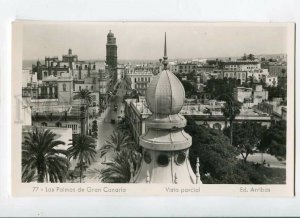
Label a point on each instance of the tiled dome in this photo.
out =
(165, 94)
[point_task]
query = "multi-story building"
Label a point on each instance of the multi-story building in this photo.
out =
(242, 65)
(280, 70)
(257, 75)
(259, 95)
(272, 108)
(136, 112)
(250, 96)
(243, 94)
(277, 69)
(139, 79)
(270, 80)
(173, 66)
(68, 66)
(235, 74)
(186, 67)
(54, 117)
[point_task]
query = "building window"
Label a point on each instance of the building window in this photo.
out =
(58, 124)
(163, 160)
(217, 126)
(44, 124)
(79, 88)
(147, 157)
(180, 158)
(45, 73)
(64, 87)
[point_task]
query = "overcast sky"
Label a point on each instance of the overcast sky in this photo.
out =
(145, 40)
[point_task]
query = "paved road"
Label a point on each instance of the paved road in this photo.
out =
(105, 129)
(270, 160)
(116, 102)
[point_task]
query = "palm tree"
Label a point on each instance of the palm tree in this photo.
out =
(41, 160)
(230, 111)
(117, 141)
(125, 165)
(85, 96)
(83, 148)
(117, 171)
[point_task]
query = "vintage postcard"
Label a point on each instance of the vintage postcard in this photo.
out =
(152, 108)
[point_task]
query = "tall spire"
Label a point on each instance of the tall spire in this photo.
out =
(165, 61)
(165, 51)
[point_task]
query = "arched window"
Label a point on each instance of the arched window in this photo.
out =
(64, 87)
(217, 126)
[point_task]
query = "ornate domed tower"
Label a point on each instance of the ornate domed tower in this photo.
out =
(165, 143)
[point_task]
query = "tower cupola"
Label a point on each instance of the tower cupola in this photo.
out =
(165, 143)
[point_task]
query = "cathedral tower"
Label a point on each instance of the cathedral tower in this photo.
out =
(165, 143)
(111, 51)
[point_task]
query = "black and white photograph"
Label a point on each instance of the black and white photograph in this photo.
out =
(155, 103)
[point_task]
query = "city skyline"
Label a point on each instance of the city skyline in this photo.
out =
(198, 40)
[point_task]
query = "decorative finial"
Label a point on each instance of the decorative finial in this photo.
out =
(197, 171)
(131, 169)
(148, 177)
(165, 61)
(175, 178)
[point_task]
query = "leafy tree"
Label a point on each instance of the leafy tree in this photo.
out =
(218, 162)
(251, 57)
(41, 159)
(246, 137)
(123, 126)
(244, 57)
(221, 89)
(94, 129)
(83, 149)
(189, 88)
(274, 140)
(192, 75)
(86, 98)
(275, 92)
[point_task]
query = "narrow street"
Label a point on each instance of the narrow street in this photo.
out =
(114, 111)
